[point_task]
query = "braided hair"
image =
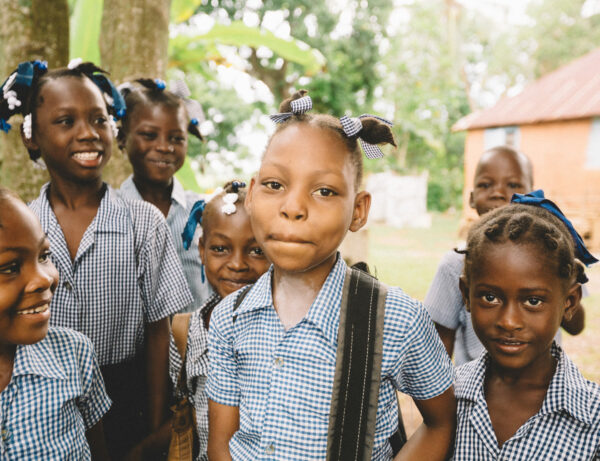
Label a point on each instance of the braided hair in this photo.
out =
(374, 131)
(22, 89)
(524, 224)
(149, 91)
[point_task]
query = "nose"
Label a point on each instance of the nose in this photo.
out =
(87, 132)
(44, 276)
(499, 192)
(164, 145)
(294, 206)
(510, 317)
(237, 262)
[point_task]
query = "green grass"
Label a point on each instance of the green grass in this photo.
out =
(408, 258)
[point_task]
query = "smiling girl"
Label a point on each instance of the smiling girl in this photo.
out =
(120, 275)
(51, 391)
(524, 399)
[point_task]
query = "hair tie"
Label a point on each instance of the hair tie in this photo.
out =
(194, 219)
(353, 126)
(192, 107)
(160, 84)
(299, 106)
(536, 198)
(231, 198)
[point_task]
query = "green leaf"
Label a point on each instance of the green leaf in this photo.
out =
(182, 10)
(238, 34)
(85, 30)
(187, 178)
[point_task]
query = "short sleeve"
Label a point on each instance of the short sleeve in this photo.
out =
(444, 300)
(424, 370)
(222, 385)
(93, 402)
(164, 288)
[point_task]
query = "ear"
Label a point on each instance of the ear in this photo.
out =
(464, 290)
(572, 301)
(248, 199)
(471, 200)
(201, 249)
(362, 205)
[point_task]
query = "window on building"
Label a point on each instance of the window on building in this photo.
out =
(593, 148)
(503, 136)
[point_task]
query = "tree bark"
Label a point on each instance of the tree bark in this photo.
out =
(134, 41)
(29, 29)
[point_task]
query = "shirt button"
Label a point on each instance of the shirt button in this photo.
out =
(67, 286)
(278, 362)
(270, 449)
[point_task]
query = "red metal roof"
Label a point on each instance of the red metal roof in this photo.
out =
(570, 92)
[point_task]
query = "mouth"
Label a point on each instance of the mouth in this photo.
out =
(240, 282)
(37, 309)
(161, 163)
(287, 239)
(88, 159)
(510, 345)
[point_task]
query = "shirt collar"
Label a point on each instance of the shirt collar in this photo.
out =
(568, 389)
(325, 309)
(38, 359)
(177, 193)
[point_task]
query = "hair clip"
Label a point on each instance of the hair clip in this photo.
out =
(298, 106)
(160, 84)
(229, 200)
(536, 198)
(27, 126)
(194, 219)
(353, 126)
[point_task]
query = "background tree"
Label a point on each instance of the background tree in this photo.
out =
(36, 29)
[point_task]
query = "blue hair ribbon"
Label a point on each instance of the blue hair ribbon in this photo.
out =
(4, 125)
(194, 219)
(353, 126)
(25, 73)
(536, 198)
(107, 87)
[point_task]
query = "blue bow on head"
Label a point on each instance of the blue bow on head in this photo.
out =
(299, 107)
(194, 219)
(353, 126)
(107, 87)
(4, 125)
(536, 198)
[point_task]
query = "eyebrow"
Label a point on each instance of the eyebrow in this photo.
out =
(21, 249)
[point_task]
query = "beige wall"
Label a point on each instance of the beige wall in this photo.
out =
(558, 151)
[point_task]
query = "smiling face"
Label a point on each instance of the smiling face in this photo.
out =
(27, 276)
(517, 302)
(303, 200)
(499, 175)
(156, 142)
(229, 252)
(71, 129)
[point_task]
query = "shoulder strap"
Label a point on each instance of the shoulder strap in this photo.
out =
(240, 297)
(180, 327)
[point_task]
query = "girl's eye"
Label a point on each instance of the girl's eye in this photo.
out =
(148, 135)
(483, 185)
(515, 185)
(490, 298)
(325, 192)
(177, 139)
(218, 248)
(533, 302)
(45, 257)
(256, 251)
(10, 268)
(273, 185)
(101, 120)
(65, 121)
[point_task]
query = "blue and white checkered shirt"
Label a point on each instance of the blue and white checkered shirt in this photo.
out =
(567, 427)
(125, 274)
(182, 202)
(446, 307)
(56, 393)
(282, 380)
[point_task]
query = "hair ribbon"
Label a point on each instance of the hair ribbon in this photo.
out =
(536, 198)
(299, 106)
(194, 219)
(353, 125)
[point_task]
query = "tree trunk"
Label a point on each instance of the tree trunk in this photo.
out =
(134, 41)
(34, 29)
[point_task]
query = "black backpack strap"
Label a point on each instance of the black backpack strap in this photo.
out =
(240, 297)
(358, 369)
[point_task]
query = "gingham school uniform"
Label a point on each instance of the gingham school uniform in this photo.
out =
(55, 395)
(567, 427)
(125, 274)
(196, 361)
(446, 307)
(282, 380)
(182, 202)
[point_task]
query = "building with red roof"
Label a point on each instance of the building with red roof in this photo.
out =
(555, 121)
